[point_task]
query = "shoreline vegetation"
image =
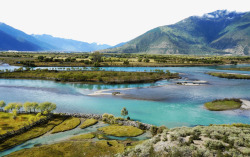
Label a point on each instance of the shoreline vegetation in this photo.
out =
(97, 59)
(238, 68)
(223, 104)
(106, 77)
(227, 139)
(229, 75)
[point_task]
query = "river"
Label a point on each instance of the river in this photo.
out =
(160, 103)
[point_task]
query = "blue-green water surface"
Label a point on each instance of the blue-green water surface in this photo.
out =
(160, 103)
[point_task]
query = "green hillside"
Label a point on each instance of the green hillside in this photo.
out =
(219, 32)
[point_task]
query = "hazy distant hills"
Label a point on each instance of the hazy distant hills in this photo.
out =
(218, 32)
(13, 39)
(69, 44)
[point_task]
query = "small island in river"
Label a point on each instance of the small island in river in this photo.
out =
(224, 104)
(106, 77)
(229, 75)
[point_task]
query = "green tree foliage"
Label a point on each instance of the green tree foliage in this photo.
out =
(46, 106)
(27, 106)
(40, 58)
(34, 106)
(10, 106)
(126, 62)
(2, 104)
(18, 106)
(146, 60)
(96, 56)
(124, 112)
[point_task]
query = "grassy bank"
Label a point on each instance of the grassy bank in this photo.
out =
(107, 77)
(82, 137)
(74, 148)
(115, 59)
(68, 124)
(88, 122)
(225, 104)
(33, 133)
(229, 76)
(239, 68)
(226, 140)
(121, 131)
(8, 123)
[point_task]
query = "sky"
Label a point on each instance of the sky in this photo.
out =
(105, 21)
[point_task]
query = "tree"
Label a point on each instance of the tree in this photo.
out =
(34, 106)
(146, 60)
(18, 106)
(40, 58)
(124, 112)
(2, 104)
(46, 106)
(10, 106)
(27, 106)
(126, 62)
(97, 57)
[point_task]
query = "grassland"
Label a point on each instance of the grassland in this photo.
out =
(225, 140)
(33, 133)
(107, 77)
(83, 136)
(229, 76)
(122, 60)
(74, 148)
(121, 131)
(238, 68)
(68, 124)
(7, 123)
(88, 122)
(225, 104)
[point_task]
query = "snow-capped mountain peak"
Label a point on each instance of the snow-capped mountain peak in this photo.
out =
(222, 14)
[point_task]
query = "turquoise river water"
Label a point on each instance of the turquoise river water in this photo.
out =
(160, 103)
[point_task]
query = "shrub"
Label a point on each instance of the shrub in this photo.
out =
(161, 128)
(214, 145)
(153, 130)
(165, 137)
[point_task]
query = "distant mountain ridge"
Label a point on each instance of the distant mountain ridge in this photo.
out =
(14, 39)
(62, 44)
(219, 32)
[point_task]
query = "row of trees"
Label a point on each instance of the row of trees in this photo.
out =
(45, 107)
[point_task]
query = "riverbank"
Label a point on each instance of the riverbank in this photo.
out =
(240, 69)
(106, 77)
(229, 75)
(43, 59)
(183, 141)
(99, 141)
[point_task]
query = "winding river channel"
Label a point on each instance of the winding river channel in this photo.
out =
(160, 103)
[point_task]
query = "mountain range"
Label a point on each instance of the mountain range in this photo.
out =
(219, 32)
(14, 39)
